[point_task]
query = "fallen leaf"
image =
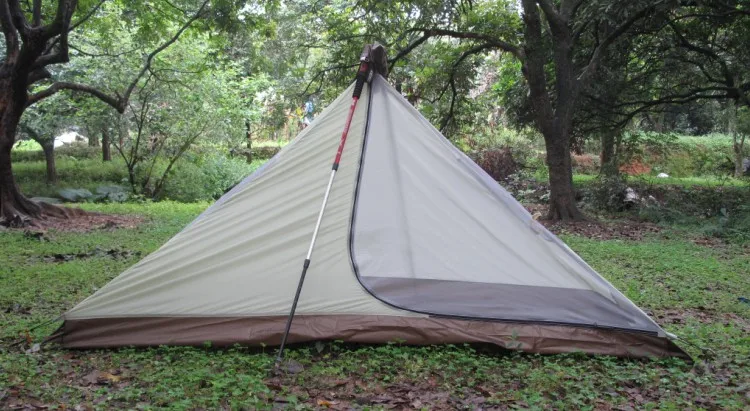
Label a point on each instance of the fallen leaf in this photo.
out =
(100, 378)
(110, 377)
(34, 349)
(326, 403)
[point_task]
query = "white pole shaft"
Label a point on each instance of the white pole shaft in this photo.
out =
(320, 214)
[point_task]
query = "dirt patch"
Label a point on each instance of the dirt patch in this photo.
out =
(83, 223)
(635, 168)
(352, 393)
(703, 316)
(596, 229)
(113, 253)
(611, 230)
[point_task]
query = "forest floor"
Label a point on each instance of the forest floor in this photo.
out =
(695, 287)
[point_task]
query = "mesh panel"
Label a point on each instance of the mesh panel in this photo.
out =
(430, 234)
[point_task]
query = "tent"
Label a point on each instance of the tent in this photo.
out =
(417, 244)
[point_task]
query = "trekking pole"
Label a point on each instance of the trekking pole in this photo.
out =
(362, 77)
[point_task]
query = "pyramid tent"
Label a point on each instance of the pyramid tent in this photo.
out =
(417, 244)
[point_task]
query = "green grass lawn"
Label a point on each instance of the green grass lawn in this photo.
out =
(692, 290)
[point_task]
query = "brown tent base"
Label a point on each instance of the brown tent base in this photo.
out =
(224, 331)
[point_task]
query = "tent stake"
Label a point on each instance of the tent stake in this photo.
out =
(362, 76)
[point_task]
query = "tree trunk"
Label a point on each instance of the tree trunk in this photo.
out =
(106, 151)
(562, 202)
(15, 209)
(93, 138)
(739, 170)
(609, 161)
(249, 136)
(738, 142)
(49, 157)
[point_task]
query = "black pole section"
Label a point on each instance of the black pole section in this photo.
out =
(305, 266)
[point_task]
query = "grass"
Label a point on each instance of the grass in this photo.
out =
(694, 289)
(71, 173)
(706, 181)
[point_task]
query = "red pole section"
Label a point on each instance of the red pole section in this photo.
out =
(345, 132)
(361, 78)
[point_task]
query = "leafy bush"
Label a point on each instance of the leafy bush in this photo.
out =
(113, 193)
(585, 163)
(733, 226)
(605, 193)
(498, 163)
(205, 177)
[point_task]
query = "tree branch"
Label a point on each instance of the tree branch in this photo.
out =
(401, 54)
(19, 20)
(9, 32)
(502, 45)
(87, 15)
(62, 85)
(729, 79)
(325, 70)
(39, 74)
(36, 19)
(64, 7)
(596, 56)
(557, 22)
(150, 57)
(74, 26)
(568, 8)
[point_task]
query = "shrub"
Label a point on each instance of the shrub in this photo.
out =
(585, 163)
(605, 193)
(498, 163)
(204, 177)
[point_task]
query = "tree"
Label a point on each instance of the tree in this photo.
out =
(36, 40)
(560, 45)
(191, 99)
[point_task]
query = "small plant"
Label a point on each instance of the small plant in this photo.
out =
(606, 193)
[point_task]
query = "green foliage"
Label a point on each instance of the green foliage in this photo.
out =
(112, 193)
(206, 177)
(605, 193)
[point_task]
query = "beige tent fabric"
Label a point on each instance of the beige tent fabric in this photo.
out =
(244, 258)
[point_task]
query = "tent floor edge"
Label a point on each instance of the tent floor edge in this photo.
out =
(367, 329)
